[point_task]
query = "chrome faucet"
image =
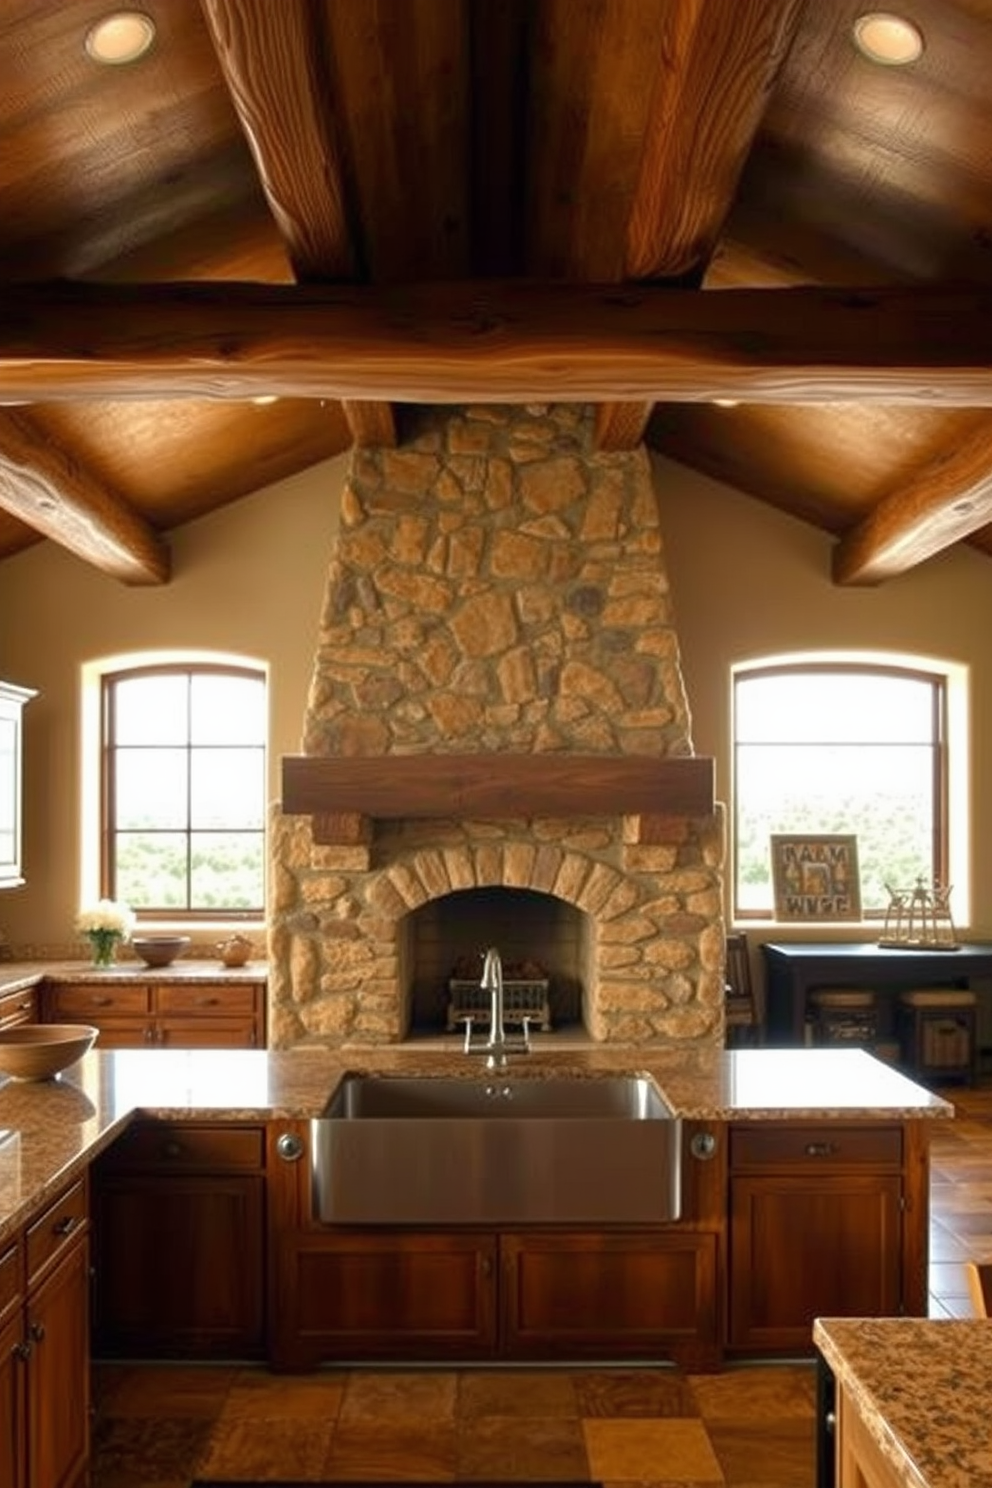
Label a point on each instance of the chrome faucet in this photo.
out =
(497, 1045)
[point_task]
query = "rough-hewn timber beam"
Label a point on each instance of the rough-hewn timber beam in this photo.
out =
(497, 343)
(718, 64)
(947, 500)
(51, 493)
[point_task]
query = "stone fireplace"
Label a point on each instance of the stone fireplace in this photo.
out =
(496, 748)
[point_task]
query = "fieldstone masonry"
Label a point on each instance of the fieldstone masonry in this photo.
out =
(496, 586)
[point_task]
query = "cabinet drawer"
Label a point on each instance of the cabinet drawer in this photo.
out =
(179, 1146)
(18, 1007)
(209, 998)
(828, 1146)
(55, 1230)
(11, 1281)
(88, 1000)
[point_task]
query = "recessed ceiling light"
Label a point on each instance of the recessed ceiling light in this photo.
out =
(890, 40)
(725, 402)
(264, 398)
(121, 37)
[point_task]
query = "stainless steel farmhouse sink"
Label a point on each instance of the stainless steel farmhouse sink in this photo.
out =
(443, 1150)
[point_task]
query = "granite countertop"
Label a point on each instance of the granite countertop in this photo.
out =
(49, 1131)
(15, 975)
(922, 1390)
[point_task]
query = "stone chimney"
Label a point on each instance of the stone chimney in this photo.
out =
(497, 591)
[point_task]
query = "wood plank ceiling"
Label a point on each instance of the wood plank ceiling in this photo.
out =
(352, 207)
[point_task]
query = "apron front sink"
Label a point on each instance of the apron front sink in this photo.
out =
(437, 1150)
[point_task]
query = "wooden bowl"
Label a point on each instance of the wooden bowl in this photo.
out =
(160, 950)
(38, 1051)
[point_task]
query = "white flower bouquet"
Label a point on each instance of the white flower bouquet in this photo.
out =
(105, 926)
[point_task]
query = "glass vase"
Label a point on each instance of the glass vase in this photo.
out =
(104, 944)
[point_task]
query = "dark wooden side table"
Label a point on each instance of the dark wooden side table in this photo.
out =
(793, 970)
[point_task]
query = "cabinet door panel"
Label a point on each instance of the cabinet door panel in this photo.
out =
(215, 1032)
(179, 1265)
(12, 1378)
(58, 1374)
(591, 1293)
(374, 1294)
(800, 1250)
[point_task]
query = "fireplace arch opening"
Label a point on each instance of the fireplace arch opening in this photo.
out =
(540, 938)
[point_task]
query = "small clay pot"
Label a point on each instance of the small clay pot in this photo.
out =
(235, 950)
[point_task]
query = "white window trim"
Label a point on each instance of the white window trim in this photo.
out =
(92, 674)
(958, 677)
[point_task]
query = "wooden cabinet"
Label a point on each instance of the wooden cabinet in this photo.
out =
(163, 1014)
(383, 1294)
(515, 1293)
(44, 1349)
(18, 1007)
(613, 1293)
(826, 1219)
(178, 1213)
(12, 700)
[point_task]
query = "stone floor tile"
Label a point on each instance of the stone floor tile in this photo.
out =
(511, 1392)
(399, 1395)
(392, 1451)
(651, 1450)
(519, 1449)
(633, 1392)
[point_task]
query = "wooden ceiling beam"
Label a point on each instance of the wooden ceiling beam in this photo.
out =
(497, 343)
(270, 61)
(717, 70)
(51, 493)
(948, 499)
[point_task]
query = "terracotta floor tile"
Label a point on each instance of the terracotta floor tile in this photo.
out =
(624, 1393)
(141, 1451)
(786, 1452)
(371, 1451)
(519, 1448)
(166, 1390)
(511, 1392)
(775, 1393)
(400, 1395)
(267, 1450)
(643, 1450)
(264, 1397)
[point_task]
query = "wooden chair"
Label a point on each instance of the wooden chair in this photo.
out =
(980, 1286)
(743, 1021)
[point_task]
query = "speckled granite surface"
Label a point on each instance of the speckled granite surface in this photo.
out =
(54, 1129)
(14, 975)
(922, 1390)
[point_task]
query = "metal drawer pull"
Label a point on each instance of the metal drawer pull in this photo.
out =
(102, 1001)
(37, 1331)
(820, 1149)
(208, 1002)
(65, 1225)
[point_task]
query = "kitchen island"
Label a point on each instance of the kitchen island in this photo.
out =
(180, 1180)
(912, 1401)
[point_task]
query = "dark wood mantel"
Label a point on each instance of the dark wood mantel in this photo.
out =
(500, 785)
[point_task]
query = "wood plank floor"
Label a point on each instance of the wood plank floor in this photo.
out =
(749, 1427)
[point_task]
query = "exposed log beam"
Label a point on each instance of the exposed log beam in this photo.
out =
(372, 425)
(270, 59)
(51, 493)
(718, 65)
(948, 499)
(498, 343)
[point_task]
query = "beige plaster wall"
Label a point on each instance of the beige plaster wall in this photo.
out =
(746, 581)
(248, 579)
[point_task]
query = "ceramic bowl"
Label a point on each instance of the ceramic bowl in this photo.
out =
(38, 1051)
(160, 950)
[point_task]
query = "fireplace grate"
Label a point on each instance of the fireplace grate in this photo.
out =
(467, 999)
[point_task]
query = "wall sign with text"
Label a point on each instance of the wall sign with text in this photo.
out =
(816, 877)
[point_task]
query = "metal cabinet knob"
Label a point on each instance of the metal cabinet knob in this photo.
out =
(703, 1146)
(289, 1147)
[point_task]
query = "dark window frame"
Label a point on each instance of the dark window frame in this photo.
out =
(939, 683)
(108, 752)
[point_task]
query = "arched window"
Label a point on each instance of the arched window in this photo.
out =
(845, 746)
(183, 789)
